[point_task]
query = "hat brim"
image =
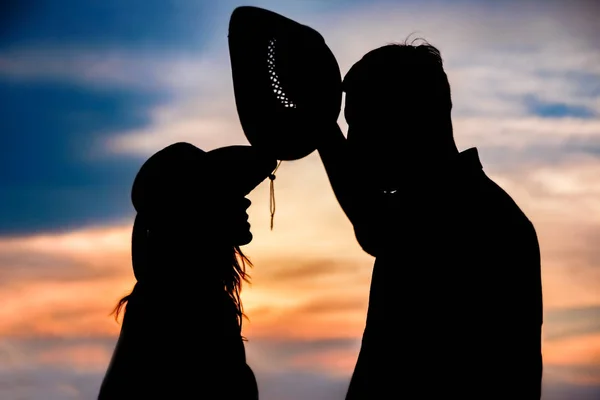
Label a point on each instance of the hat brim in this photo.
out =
(242, 168)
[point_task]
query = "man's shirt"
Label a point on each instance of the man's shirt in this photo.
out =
(455, 305)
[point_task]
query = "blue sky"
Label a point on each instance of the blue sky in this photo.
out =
(109, 23)
(89, 89)
(46, 182)
(52, 118)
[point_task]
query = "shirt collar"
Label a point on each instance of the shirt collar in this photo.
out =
(469, 160)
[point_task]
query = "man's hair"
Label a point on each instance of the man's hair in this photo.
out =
(399, 75)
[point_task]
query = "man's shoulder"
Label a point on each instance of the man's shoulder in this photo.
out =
(496, 196)
(503, 207)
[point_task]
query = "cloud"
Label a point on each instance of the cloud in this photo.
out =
(203, 128)
(562, 202)
(503, 94)
(151, 24)
(551, 68)
(497, 85)
(557, 109)
(64, 309)
(547, 52)
(52, 368)
(99, 240)
(23, 267)
(284, 368)
(552, 390)
(48, 383)
(297, 386)
(571, 347)
(19, 353)
(514, 145)
(333, 305)
(109, 68)
(63, 361)
(314, 335)
(176, 47)
(271, 353)
(64, 284)
(84, 255)
(49, 177)
(570, 322)
(317, 269)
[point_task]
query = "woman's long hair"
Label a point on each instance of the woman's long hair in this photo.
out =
(232, 277)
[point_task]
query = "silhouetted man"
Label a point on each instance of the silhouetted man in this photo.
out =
(455, 307)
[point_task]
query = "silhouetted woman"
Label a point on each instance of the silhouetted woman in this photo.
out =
(181, 334)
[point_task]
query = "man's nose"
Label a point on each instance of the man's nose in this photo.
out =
(246, 203)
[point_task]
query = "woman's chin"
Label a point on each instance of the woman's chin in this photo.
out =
(243, 238)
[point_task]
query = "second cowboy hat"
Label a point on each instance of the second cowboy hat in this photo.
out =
(182, 175)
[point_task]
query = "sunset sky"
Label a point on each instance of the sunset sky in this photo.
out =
(90, 89)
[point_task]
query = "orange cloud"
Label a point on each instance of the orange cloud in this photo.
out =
(578, 350)
(310, 279)
(70, 294)
(88, 271)
(574, 359)
(66, 309)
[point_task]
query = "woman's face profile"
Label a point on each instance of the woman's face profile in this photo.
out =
(236, 227)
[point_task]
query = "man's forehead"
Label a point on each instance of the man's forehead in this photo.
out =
(378, 70)
(380, 84)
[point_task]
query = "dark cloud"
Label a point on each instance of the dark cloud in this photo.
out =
(571, 322)
(587, 84)
(301, 386)
(40, 344)
(41, 381)
(324, 305)
(48, 130)
(48, 383)
(509, 159)
(574, 373)
(578, 146)
(41, 210)
(555, 390)
(134, 23)
(269, 352)
(537, 106)
(309, 269)
(293, 347)
(48, 177)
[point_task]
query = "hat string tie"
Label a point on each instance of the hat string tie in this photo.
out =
(272, 193)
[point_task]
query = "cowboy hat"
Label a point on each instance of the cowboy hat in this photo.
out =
(182, 175)
(286, 81)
